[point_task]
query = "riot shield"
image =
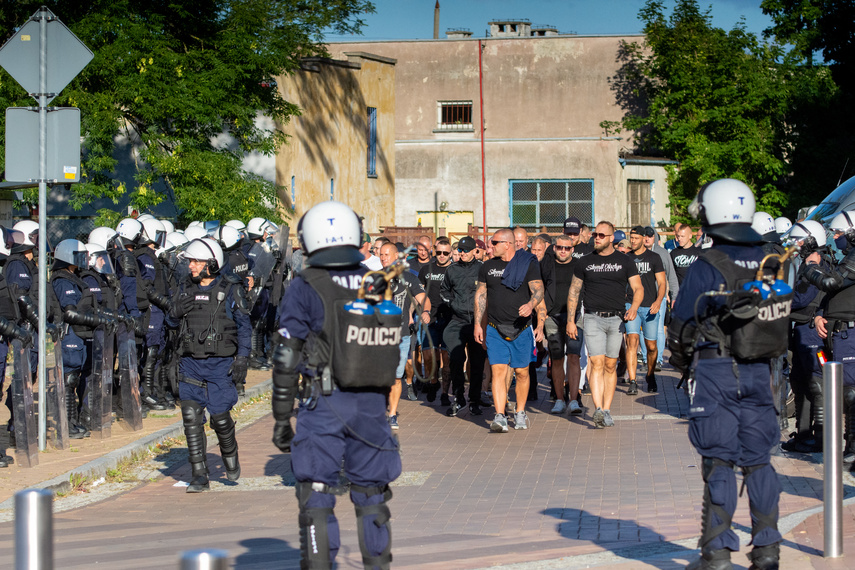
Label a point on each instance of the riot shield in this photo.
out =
(26, 434)
(129, 379)
(780, 391)
(263, 260)
(57, 412)
(282, 271)
(101, 384)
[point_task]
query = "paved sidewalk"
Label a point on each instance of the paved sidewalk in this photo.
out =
(561, 494)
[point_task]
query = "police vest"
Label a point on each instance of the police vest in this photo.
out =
(108, 296)
(361, 350)
(8, 306)
(159, 280)
(53, 308)
(747, 326)
(841, 306)
(238, 263)
(87, 303)
(208, 330)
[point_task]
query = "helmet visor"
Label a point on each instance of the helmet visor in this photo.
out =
(80, 259)
(100, 261)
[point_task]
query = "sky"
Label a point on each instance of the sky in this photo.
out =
(413, 19)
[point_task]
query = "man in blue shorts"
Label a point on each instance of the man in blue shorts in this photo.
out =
(646, 321)
(509, 290)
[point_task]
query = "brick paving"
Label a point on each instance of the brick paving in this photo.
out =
(561, 494)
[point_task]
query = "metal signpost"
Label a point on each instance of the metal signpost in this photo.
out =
(25, 58)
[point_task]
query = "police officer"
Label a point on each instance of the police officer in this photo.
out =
(214, 334)
(732, 418)
(257, 231)
(80, 313)
(343, 420)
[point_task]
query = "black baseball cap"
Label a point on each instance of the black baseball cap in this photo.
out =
(638, 230)
(572, 226)
(649, 232)
(467, 244)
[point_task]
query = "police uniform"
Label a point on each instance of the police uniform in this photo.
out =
(9, 330)
(214, 340)
(342, 422)
(152, 295)
(732, 416)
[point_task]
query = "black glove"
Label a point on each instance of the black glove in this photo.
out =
(139, 327)
(282, 435)
(238, 369)
(53, 331)
(183, 305)
(24, 336)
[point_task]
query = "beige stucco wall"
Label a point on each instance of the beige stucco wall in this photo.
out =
(329, 139)
(543, 101)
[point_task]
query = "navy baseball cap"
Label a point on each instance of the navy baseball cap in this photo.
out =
(619, 235)
(572, 226)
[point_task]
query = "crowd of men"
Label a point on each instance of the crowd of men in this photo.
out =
(186, 312)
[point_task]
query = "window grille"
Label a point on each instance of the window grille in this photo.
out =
(454, 115)
(536, 204)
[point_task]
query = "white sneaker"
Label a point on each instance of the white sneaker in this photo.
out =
(559, 407)
(575, 408)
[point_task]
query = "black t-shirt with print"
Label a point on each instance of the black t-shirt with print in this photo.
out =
(605, 278)
(400, 285)
(683, 258)
(431, 277)
(503, 304)
(582, 249)
(648, 264)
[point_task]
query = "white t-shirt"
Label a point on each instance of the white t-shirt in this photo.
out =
(373, 263)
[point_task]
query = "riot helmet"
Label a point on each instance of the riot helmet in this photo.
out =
(70, 252)
(764, 225)
(30, 229)
(331, 233)
(843, 226)
(102, 236)
(168, 226)
(99, 260)
(239, 226)
(811, 234)
(725, 208)
(227, 236)
(195, 232)
(129, 232)
(206, 250)
(782, 225)
(143, 217)
(155, 232)
(255, 228)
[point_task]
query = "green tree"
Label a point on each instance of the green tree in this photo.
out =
(713, 100)
(173, 76)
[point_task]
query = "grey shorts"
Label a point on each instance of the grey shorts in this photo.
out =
(603, 335)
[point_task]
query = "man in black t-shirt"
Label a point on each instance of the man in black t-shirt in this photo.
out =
(431, 277)
(509, 290)
(654, 284)
(404, 288)
(423, 255)
(686, 253)
(556, 329)
(573, 228)
(605, 275)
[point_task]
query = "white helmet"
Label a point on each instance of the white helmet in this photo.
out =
(168, 226)
(842, 222)
(206, 250)
(236, 224)
(255, 228)
(101, 236)
(195, 232)
(227, 236)
(176, 239)
(71, 252)
(726, 210)
(782, 224)
(99, 259)
(331, 234)
(10, 238)
(143, 217)
(194, 223)
(30, 229)
(764, 225)
(130, 230)
(154, 231)
(811, 233)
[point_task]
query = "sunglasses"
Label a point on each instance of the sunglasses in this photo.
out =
(601, 236)
(443, 252)
(496, 242)
(563, 247)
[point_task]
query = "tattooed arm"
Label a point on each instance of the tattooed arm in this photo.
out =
(480, 311)
(572, 303)
(536, 303)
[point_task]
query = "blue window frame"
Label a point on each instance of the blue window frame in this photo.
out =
(372, 141)
(547, 203)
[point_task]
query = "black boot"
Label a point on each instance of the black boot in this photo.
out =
(75, 430)
(712, 559)
(257, 359)
(5, 460)
(849, 413)
(194, 430)
(817, 408)
(765, 557)
(224, 427)
(164, 393)
(149, 380)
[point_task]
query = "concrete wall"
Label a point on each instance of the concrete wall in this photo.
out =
(329, 139)
(543, 101)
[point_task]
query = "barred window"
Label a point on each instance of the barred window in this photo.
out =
(537, 204)
(454, 115)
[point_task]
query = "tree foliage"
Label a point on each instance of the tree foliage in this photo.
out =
(172, 76)
(716, 101)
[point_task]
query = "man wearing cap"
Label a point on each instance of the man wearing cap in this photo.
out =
(480, 250)
(653, 283)
(431, 277)
(458, 293)
(371, 261)
(605, 274)
(573, 228)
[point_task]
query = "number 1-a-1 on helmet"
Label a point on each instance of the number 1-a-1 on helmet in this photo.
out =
(330, 234)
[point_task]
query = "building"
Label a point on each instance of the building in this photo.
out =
(342, 144)
(538, 96)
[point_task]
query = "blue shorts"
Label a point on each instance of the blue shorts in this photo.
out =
(404, 347)
(644, 322)
(517, 353)
(435, 330)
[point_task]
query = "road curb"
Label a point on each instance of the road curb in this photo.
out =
(99, 467)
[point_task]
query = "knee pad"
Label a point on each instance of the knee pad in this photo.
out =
(192, 413)
(373, 520)
(710, 466)
(848, 398)
(72, 380)
(761, 480)
(224, 427)
(318, 538)
(815, 388)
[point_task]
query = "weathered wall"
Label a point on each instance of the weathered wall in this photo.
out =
(329, 139)
(543, 101)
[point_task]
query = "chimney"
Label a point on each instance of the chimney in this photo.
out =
(436, 21)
